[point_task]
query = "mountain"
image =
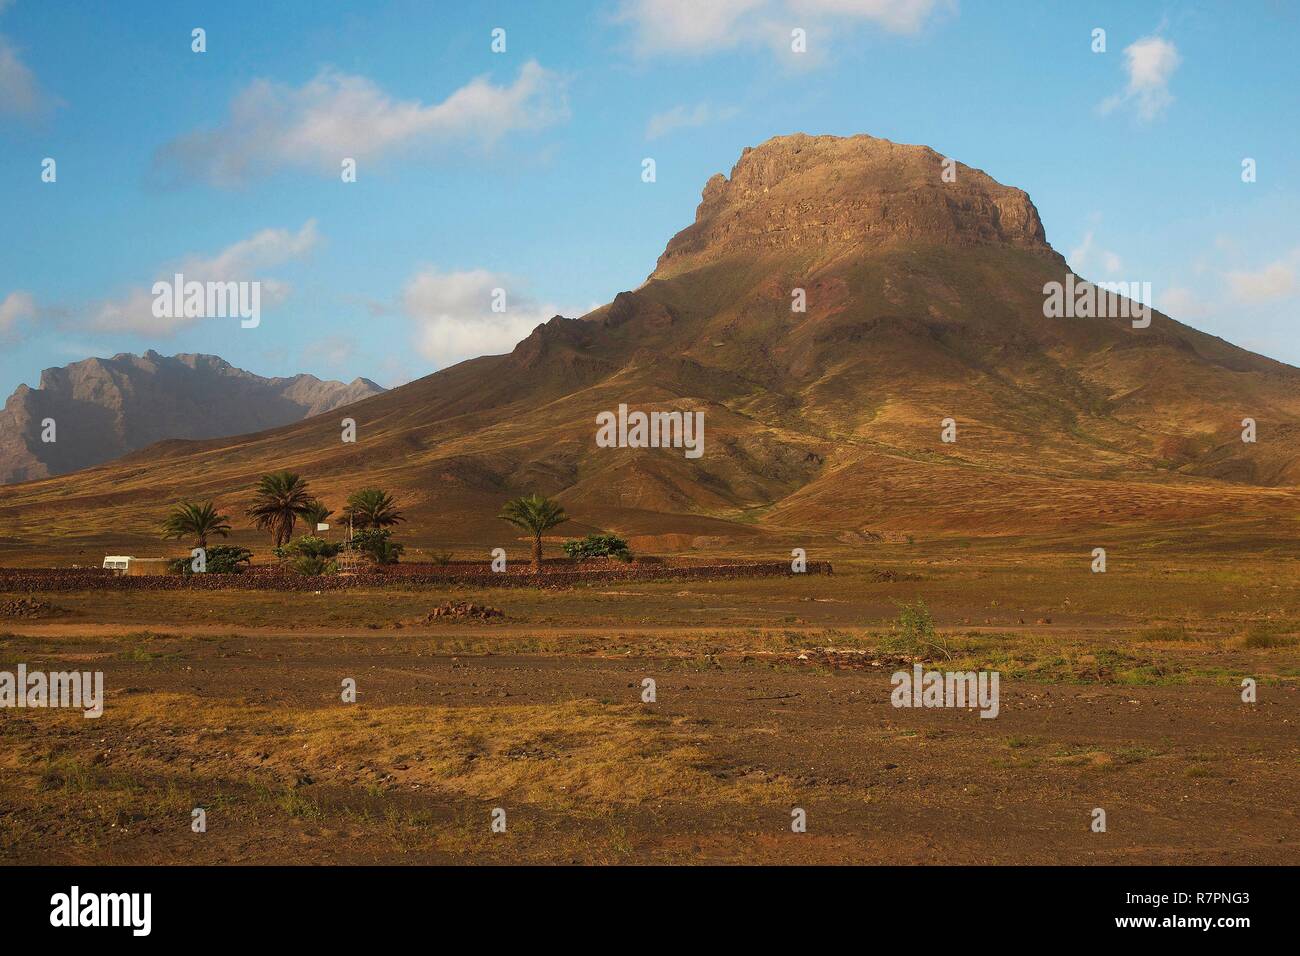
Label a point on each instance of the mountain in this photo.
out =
(104, 408)
(924, 302)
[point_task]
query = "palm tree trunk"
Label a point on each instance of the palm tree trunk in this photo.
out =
(537, 554)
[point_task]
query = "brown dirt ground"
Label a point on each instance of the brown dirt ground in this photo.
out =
(251, 727)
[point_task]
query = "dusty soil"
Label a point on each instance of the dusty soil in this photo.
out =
(771, 695)
(251, 727)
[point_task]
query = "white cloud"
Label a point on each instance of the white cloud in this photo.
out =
(338, 115)
(20, 93)
(1182, 304)
(706, 26)
(1150, 63)
(245, 260)
(1251, 308)
(685, 117)
(1277, 280)
(263, 250)
(16, 307)
(1081, 255)
(688, 25)
(453, 317)
(897, 16)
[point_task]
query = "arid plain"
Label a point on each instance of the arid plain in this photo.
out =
(1119, 691)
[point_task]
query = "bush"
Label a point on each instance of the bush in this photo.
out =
(310, 555)
(223, 559)
(914, 633)
(598, 546)
(308, 546)
(915, 622)
(378, 543)
(312, 565)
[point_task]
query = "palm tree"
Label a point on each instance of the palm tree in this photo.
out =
(372, 508)
(192, 519)
(536, 514)
(281, 499)
(316, 513)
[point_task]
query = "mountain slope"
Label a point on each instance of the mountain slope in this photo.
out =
(924, 301)
(104, 408)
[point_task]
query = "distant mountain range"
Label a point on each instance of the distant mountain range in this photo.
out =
(925, 302)
(104, 408)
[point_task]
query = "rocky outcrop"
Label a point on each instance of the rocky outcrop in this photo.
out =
(827, 194)
(105, 408)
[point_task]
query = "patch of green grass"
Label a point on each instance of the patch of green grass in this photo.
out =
(1072, 750)
(1154, 674)
(300, 806)
(66, 773)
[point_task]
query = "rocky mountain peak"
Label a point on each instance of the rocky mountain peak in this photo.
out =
(832, 195)
(106, 407)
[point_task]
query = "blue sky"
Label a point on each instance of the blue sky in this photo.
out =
(521, 170)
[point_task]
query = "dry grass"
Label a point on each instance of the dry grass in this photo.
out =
(578, 756)
(229, 701)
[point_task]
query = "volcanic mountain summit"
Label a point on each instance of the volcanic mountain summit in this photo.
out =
(923, 302)
(833, 195)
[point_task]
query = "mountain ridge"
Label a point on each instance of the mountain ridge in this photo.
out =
(107, 407)
(924, 302)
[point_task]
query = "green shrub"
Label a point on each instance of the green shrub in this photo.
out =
(312, 565)
(378, 543)
(915, 622)
(308, 546)
(598, 546)
(222, 559)
(914, 633)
